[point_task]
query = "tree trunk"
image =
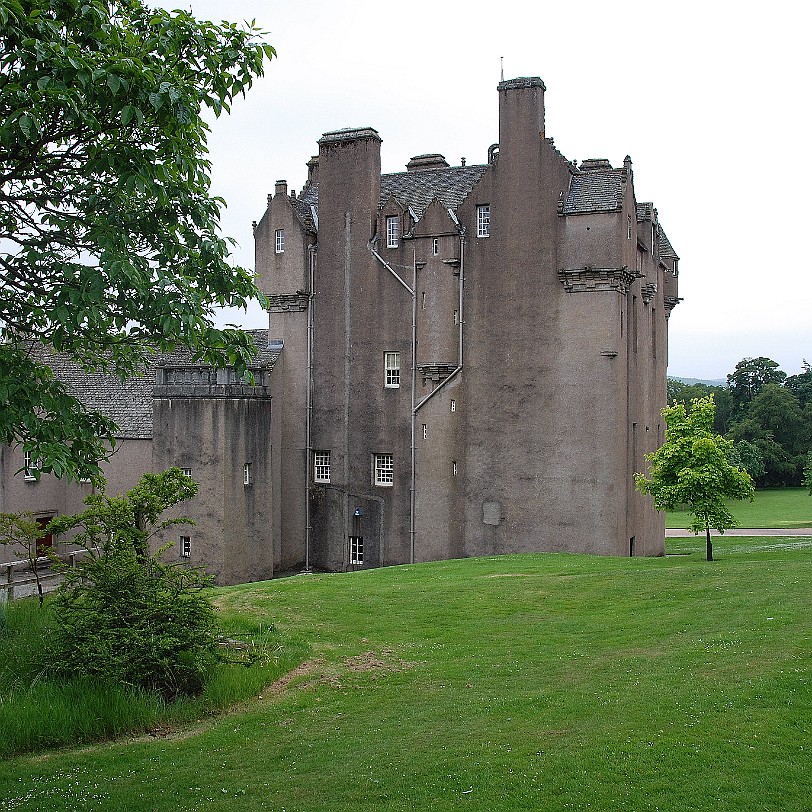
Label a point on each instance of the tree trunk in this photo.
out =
(709, 546)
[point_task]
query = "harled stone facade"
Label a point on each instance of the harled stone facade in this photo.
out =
(525, 303)
(461, 360)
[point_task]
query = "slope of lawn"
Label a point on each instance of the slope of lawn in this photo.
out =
(543, 682)
(775, 508)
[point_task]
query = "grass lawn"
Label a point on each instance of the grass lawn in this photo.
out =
(535, 682)
(777, 508)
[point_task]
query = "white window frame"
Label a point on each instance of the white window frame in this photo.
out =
(279, 243)
(425, 431)
(321, 466)
(392, 231)
(30, 464)
(483, 220)
(246, 473)
(185, 545)
(384, 470)
(391, 365)
(453, 405)
(435, 246)
(187, 472)
(357, 550)
(453, 468)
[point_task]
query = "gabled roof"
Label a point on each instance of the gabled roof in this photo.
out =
(129, 403)
(595, 190)
(645, 211)
(418, 188)
(666, 249)
(415, 190)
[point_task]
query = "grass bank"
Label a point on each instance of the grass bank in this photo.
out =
(775, 508)
(523, 682)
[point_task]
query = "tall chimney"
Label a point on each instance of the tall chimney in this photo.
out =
(521, 117)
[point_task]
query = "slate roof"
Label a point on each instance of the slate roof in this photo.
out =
(417, 189)
(129, 403)
(595, 191)
(666, 249)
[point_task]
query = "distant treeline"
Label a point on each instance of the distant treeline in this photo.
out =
(767, 415)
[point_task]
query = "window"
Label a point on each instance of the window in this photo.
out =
(321, 466)
(453, 405)
(280, 241)
(391, 362)
(30, 465)
(187, 472)
(246, 474)
(456, 318)
(423, 300)
(425, 431)
(435, 246)
(483, 221)
(453, 468)
(628, 226)
(392, 232)
(185, 546)
(356, 549)
(384, 469)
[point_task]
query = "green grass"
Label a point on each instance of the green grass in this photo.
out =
(36, 713)
(779, 508)
(539, 682)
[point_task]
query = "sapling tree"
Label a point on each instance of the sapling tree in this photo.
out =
(692, 468)
(22, 532)
(122, 615)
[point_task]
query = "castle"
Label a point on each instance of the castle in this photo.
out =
(461, 360)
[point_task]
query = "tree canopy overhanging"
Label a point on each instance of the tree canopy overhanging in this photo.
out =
(110, 247)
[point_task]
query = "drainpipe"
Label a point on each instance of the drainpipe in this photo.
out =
(308, 419)
(458, 368)
(413, 293)
(413, 475)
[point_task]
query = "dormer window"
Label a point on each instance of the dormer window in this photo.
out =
(392, 232)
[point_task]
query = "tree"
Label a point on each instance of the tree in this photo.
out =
(801, 385)
(808, 472)
(123, 616)
(750, 375)
(109, 239)
(23, 532)
(692, 468)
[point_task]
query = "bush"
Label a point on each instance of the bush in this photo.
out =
(121, 615)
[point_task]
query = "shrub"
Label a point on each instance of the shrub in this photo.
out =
(121, 615)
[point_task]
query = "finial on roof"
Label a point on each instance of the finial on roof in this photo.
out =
(462, 161)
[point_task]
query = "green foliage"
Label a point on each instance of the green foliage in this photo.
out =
(692, 468)
(121, 615)
(808, 472)
(22, 532)
(111, 243)
(750, 375)
(748, 456)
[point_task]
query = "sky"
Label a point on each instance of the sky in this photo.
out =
(710, 100)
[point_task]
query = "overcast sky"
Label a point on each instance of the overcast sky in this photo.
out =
(710, 99)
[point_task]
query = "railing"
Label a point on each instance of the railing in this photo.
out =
(24, 584)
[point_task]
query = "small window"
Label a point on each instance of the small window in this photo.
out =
(30, 465)
(321, 466)
(425, 431)
(423, 300)
(628, 226)
(187, 472)
(280, 241)
(483, 221)
(453, 468)
(356, 549)
(185, 546)
(246, 474)
(384, 470)
(392, 232)
(392, 366)
(453, 405)
(435, 246)
(456, 318)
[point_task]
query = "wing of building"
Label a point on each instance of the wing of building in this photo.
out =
(466, 360)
